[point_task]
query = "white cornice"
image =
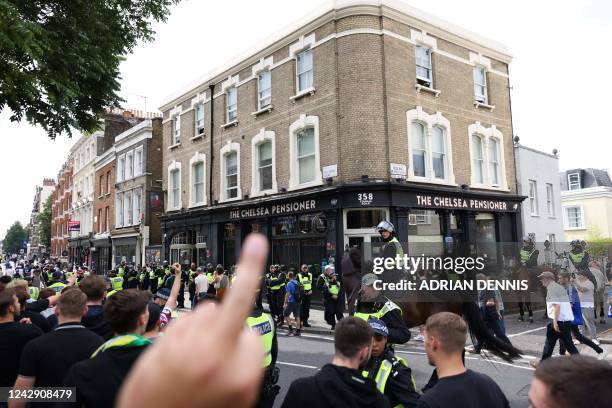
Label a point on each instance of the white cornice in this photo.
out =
(584, 193)
(338, 9)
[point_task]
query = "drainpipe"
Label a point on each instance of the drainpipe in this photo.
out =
(212, 155)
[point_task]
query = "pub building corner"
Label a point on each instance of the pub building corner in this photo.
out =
(315, 227)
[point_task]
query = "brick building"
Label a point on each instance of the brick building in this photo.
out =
(104, 210)
(135, 233)
(60, 212)
(360, 112)
(35, 247)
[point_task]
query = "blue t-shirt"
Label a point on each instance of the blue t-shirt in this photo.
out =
(290, 288)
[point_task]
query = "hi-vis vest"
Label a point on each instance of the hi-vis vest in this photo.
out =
(306, 281)
(57, 286)
(576, 257)
(525, 255)
(210, 276)
(264, 326)
(386, 308)
(120, 271)
(117, 283)
(279, 286)
(384, 372)
(334, 289)
(34, 291)
(398, 247)
(68, 275)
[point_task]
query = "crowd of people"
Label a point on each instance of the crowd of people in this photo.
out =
(119, 340)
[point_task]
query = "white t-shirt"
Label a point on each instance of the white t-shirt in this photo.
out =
(586, 298)
(201, 282)
(557, 295)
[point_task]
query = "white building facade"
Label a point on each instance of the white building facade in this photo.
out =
(538, 179)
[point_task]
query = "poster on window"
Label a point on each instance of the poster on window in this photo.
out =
(153, 254)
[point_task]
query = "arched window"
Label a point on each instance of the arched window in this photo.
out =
(230, 172)
(487, 157)
(438, 152)
(305, 168)
(477, 159)
(494, 161)
(419, 149)
(263, 169)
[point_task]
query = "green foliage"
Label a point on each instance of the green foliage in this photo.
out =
(44, 224)
(60, 59)
(14, 238)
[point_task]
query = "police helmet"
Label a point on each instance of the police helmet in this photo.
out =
(385, 226)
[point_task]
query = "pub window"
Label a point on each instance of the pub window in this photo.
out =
(423, 66)
(264, 84)
(284, 225)
(304, 71)
(480, 84)
(494, 161)
(198, 182)
(419, 149)
(364, 219)
(176, 130)
(175, 188)
(199, 119)
(477, 159)
(304, 168)
(312, 223)
(438, 152)
(231, 98)
(306, 155)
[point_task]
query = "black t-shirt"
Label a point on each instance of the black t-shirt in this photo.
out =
(13, 338)
(49, 357)
(37, 319)
(467, 390)
(38, 305)
(94, 321)
(98, 379)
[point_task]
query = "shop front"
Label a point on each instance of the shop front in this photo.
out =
(79, 250)
(317, 227)
(101, 253)
(126, 249)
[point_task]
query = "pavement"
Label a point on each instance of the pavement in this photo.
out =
(303, 356)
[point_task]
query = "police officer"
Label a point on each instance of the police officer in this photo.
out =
(267, 279)
(329, 286)
(581, 259)
(528, 259)
(192, 274)
(391, 373)
(143, 277)
(116, 283)
(130, 277)
(372, 303)
(121, 269)
(33, 290)
(263, 324)
(277, 290)
(305, 278)
(210, 277)
(391, 249)
(56, 282)
(154, 271)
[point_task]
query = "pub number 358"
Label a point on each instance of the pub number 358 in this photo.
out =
(365, 198)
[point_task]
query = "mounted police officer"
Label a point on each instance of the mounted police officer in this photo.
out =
(304, 276)
(372, 303)
(391, 249)
(581, 259)
(391, 373)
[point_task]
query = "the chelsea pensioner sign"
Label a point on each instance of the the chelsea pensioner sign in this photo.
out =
(274, 209)
(434, 201)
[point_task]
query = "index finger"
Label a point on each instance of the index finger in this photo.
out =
(238, 303)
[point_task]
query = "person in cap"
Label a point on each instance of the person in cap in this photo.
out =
(581, 259)
(560, 313)
(330, 287)
(277, 292)
(372, 303)
(391, 249)
(391, 374)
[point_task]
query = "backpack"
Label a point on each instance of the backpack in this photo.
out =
(298, 292)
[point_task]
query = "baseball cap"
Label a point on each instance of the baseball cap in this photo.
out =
(546, 275)
(378, 326)
(163, 293)
(368, 279)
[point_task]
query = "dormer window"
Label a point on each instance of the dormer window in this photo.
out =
(573, 181)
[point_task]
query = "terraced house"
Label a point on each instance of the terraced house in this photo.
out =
(361, 111)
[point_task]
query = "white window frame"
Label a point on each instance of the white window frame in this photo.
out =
(199, 124)
(228, 148)
(231, 108)
(299, 73)
(198, 158)
(175, 130)
(484, 98)
(490, 162)
(127, 208)
(174, 165)
(423, 217)
(566, 224)
(119, 210)
(260, 98)
(138, 167)
(486, 134)
(129, 165)
(303, 122)
(429, 52)
(120, 176)
(533, 198)
(262, 137)
(569, 182)
(136, 210)
(550, 200)
(107, 221)
(429, 122)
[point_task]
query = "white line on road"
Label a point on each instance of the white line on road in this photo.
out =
(472, 358)
(527, 331)
(297, 365)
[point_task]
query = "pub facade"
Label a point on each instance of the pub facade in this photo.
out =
(363, 112)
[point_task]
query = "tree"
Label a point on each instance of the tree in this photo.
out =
(15, 238)
(60, 59)
(44, 224)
